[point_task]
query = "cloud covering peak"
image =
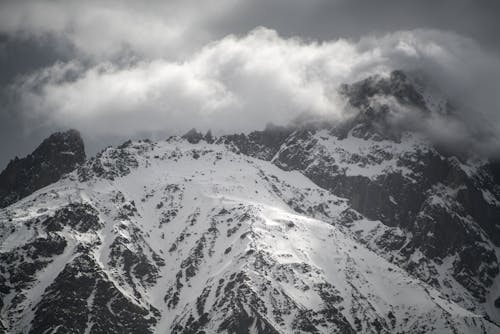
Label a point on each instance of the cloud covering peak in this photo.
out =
(240, 83)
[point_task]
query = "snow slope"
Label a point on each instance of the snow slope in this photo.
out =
(174, 237)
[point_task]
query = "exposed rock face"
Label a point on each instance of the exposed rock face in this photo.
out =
(260, 144)
(193, 136)
(59, 154)
(56, 277)
(82, 294)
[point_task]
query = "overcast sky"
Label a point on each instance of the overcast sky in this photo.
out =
(119, 69)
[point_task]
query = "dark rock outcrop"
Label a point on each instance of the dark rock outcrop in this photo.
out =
(193, 136)
(260, 144)
(59, 154)
(83, 297)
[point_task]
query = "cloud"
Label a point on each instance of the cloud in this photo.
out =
(115, 29)
(240, 83)
(235, 83)
(458, 69)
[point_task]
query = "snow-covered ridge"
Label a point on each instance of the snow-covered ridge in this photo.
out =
(195, 237)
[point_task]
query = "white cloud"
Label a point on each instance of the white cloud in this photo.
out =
(242, 83)
(235, 83)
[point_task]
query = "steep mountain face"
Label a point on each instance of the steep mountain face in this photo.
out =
(57, 155)
(358, 228)
(441, 213)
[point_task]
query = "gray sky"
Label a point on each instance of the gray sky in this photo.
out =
(121, 69)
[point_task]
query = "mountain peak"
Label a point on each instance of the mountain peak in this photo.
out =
(397, 84)
(57, 155)
(380, 100)
(193, 136)
(67, 143)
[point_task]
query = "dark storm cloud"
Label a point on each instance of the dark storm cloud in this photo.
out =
(167, 65)
(327, 19)
(113, 30)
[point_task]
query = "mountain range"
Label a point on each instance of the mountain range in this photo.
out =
(354, 226)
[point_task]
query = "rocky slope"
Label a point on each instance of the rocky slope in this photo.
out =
(318, 228)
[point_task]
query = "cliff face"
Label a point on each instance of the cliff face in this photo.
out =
(57, 155)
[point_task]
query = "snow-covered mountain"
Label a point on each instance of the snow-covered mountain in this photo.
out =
(361, 227)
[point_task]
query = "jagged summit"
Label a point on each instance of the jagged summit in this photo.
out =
(194, 137)
(57, 155)
(385, 104)
(397, 84)
(380, 107)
